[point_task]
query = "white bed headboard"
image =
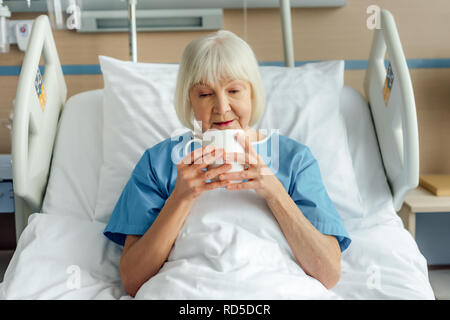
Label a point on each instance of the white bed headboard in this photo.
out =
(36, 114)
(395, 121)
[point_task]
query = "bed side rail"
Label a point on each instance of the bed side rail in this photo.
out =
(391, 99)
(38, 104)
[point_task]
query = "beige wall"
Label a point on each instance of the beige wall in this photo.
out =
(319, 34)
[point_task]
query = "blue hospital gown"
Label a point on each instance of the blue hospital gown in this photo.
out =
(154, 177)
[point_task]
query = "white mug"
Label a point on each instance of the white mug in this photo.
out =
(221, 139)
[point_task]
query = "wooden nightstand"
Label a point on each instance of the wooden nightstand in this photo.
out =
(421, 200)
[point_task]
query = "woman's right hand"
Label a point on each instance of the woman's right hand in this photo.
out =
(191, 179)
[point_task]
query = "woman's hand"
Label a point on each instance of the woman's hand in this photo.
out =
(259, 176)
(191, 179)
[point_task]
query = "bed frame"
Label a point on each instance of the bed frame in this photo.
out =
(35, 122)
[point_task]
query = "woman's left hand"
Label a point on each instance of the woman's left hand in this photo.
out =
(259, 176)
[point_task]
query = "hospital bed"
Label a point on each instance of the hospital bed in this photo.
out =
(55, 251)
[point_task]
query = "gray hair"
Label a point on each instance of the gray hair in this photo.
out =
(211, 58)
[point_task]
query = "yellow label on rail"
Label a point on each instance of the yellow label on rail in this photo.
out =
(40, 90)
(43, 98)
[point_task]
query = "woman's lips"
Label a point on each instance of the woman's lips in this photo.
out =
(223, 124)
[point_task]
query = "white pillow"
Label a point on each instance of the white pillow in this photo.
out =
(138, 112)
(378, 206)
(77, 157)
(302, 102)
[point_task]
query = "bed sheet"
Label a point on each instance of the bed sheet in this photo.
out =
(62, 257)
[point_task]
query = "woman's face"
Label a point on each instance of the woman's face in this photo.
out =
(225, 105)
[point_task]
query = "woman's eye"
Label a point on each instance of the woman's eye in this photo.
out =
(204, 95)
(234, 91)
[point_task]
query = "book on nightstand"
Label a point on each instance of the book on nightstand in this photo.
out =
(438, 184)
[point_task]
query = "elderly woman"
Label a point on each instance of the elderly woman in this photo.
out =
(219, 86)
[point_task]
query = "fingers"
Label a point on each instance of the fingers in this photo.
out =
(253, 173)
(216, 184)
(202, 185)
(214, 172)
(197, 155)
(243, 185)
(239, 175)
(211, 158)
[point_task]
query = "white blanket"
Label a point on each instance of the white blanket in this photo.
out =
(60, 257)
(220, 253)
(231, 247)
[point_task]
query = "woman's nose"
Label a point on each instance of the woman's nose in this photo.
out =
(221, 105)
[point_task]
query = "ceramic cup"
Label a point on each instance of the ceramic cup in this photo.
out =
(221, 139)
